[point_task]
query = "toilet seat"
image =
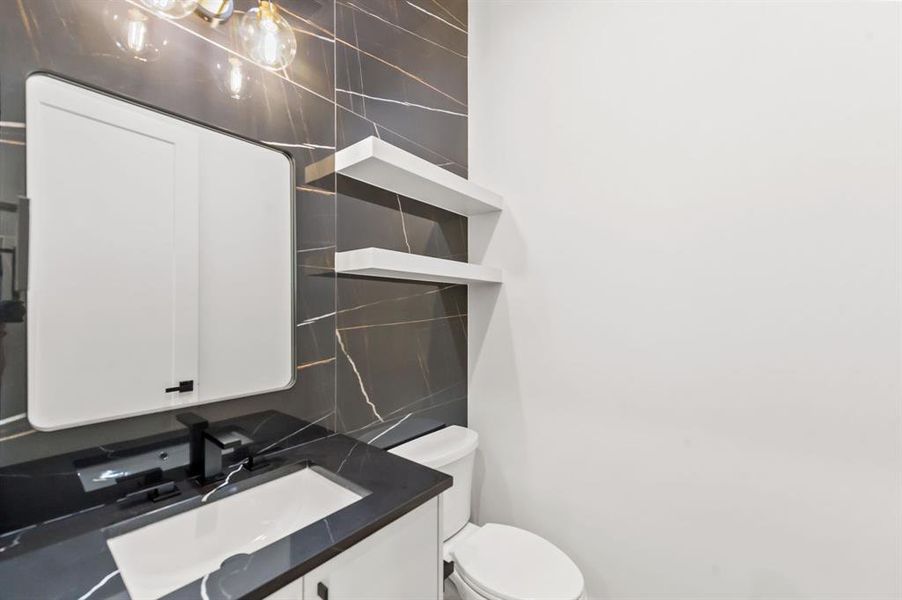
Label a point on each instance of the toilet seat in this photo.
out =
(506, 563)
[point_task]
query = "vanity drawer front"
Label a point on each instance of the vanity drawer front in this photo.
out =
(292, 591)
(398, 562)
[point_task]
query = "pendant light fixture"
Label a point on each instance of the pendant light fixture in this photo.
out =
(235, 77)
(267, 37)
(132, 32)
(215, 11)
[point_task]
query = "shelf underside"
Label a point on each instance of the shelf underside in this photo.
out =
(378, 262)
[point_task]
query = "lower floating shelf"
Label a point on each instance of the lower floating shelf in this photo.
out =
(378, 262)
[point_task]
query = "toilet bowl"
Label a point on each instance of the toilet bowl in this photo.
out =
(494, 561)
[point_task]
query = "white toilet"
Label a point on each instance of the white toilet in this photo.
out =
(492, 562)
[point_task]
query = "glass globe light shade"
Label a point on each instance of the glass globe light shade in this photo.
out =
(174, 9)
(132, 33)
(235, 77)
(267, 37)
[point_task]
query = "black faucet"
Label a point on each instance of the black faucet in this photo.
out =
(205, 447)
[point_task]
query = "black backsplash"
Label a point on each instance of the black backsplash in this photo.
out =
(370, 352)
(401, 75)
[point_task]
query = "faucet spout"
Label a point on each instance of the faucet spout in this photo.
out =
(215, 445)
(207, 447)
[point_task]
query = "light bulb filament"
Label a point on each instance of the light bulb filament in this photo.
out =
(236, 78)
(136, 32)
(270, 48)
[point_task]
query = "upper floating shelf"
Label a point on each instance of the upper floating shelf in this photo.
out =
(378, 262)
(383, 165)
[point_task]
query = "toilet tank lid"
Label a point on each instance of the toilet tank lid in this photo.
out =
(440, 448)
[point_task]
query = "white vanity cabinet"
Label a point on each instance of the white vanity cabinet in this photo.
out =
(402, 561)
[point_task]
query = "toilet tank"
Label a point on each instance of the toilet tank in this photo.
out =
(450, 450)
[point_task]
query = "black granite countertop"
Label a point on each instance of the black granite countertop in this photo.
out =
(67, 557)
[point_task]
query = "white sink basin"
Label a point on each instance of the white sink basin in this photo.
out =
(162, 557)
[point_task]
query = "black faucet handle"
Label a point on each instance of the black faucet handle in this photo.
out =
(150, 476)
(249, 455)
(152, 485)
(192, 421)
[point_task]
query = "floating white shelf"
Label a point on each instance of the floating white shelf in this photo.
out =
(378, 262)
(383, 165)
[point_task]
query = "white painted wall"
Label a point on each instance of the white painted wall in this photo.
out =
(690, 380)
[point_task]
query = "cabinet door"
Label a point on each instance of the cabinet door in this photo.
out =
(113, 296)
(246, 262)
(399, 562)
(161, 251)
(292, 591)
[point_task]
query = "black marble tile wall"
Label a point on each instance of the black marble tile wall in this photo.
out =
(369, 351)
(401, 75)
(293, 109)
